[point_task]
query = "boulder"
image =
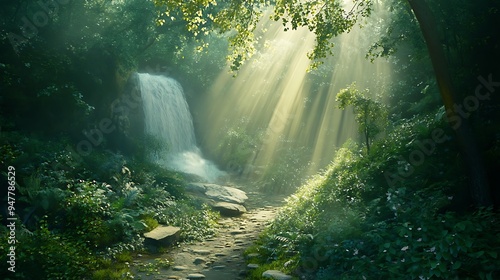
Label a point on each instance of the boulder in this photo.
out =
(229, 209)
(218, 193)
(195, 187)
(162, 236)
(226, 194)
(276, 274)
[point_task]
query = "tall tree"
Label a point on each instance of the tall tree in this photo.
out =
(469, 148)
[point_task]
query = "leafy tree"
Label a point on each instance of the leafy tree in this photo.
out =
(327, 19)
(370, 115)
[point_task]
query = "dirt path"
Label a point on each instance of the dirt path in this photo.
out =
(220, 257)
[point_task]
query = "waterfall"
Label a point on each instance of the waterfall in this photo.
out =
(169, 128)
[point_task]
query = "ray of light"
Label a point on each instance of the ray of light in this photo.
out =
(273, 98)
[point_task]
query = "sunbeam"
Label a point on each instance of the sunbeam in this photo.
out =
(276, 100)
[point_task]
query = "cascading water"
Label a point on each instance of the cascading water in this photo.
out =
(169, 126)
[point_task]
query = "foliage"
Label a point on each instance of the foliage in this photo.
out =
(197, 221)
(154, 267)
(90, 47)
(351, 222)
(227, 16)
(371, 115)
(93, 216)
(45, 255)
(237, 147)
(326, 19)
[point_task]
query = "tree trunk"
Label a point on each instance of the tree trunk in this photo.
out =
(468, 146)
(367, 137)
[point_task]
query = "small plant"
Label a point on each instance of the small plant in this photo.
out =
(150, 222)
(371, 115)
(155, 266)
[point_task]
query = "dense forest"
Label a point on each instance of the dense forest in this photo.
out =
(378, 120)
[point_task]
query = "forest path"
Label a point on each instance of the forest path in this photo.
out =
(220, 257)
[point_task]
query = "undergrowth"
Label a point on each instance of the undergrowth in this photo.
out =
(385, 216)
(81, 217)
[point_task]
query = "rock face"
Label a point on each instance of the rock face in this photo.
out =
(162, 236)
(229, 209)
(275, 274)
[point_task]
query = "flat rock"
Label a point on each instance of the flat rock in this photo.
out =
(253, 255)
(179, 268)
(229, 209)
(162, 235)
(276, 274)
(195, 276)
(201, 252)
(252, 266)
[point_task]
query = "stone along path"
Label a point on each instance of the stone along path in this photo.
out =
(220, 257)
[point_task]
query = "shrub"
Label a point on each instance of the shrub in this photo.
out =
(352, 223)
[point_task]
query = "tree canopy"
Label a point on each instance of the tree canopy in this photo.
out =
(328, 19)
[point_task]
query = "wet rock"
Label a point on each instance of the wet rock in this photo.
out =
(195, 276)
(253, 255)
(252, 266)
(276, 274)
(229, 209)
(218, 267)
(199, 260)
(179, 268)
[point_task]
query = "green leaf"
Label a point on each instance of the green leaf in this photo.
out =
(460, 226)
(478, 254)
(443, 268)
(493, 254)
(139, 225)
(434, 264)
(456, 265)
